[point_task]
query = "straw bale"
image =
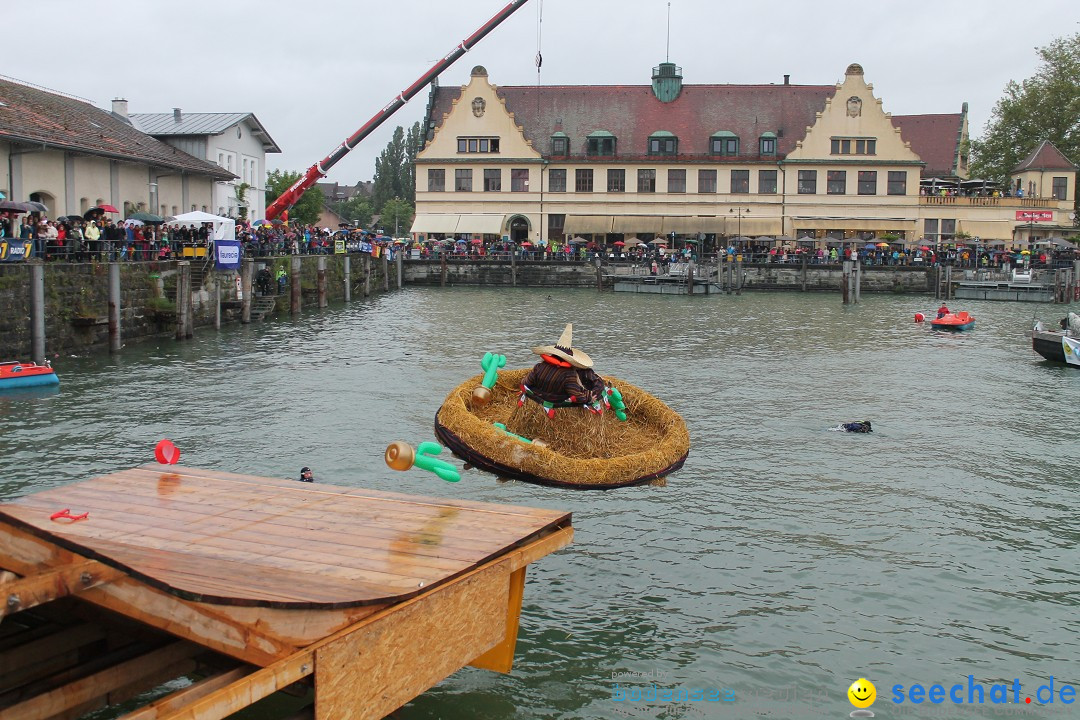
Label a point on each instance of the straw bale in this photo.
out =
(583, 448)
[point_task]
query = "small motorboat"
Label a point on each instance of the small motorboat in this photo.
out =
(1061, 346)
(16, 374)
(954, 321)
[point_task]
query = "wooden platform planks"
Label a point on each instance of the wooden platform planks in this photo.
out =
(235, 539)
(157, 545)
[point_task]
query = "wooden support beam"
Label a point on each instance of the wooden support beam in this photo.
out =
(44, 656)
(501, 657)
(173, 702)
(46, 586)
(100, 688)
(247, 690)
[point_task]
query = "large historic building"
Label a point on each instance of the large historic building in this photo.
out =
(69, 155)
(821, 161)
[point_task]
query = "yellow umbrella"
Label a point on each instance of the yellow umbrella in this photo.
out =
(883, 245)
(1025, 252)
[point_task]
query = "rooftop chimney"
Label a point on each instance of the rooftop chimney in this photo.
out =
(119, 107)
(787, 79)
(176, 115)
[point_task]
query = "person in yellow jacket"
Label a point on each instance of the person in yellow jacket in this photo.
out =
(93, 238)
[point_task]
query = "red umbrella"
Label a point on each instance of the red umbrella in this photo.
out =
(107, 208)
(526, 244)
(620, 243)
(477, 241)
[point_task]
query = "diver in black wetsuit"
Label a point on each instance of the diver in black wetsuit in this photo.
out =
(857, 427)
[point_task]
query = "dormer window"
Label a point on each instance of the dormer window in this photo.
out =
(724, 143)
(767, 144)
(663, 143)
(560, 144)
(600, 144)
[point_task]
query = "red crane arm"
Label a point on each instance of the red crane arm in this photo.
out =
(288, 198)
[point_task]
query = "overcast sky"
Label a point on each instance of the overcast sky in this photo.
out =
(314, 72)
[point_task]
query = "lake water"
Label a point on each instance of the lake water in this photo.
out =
(782, 563)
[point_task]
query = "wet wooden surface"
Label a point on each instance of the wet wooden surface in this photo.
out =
(245, 540)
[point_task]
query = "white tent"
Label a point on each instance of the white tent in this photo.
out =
(224, 228)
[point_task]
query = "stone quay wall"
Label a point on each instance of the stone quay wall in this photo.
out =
(764, 276)
(77, 299)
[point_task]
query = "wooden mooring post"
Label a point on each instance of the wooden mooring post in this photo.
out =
(386, 272)
(513, 267)
(217, 304)
(184, 321)
(738, 274)
(367, 275)
(321, 280)
(399, 258)
(858, 280)
(247, 272)
(37, 311)
(947, 290)
(803, 279)
(845, 283)
(348, 278)
(294, 280)
(690, 278)
(442, 268)
(114, 307)
(599, 276)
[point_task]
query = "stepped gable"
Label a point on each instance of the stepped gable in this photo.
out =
(1045, 157)
(934, 138)
(31, 115)
(632, 113)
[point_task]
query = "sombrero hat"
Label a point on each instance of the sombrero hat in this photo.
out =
(564, 350)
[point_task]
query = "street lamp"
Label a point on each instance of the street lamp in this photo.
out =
(739, 211)
(153, 196)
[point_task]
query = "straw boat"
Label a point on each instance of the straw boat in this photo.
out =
(581, 449)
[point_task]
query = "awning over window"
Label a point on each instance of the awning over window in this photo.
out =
(862, 224)
(481, 224)
(755, 227)
(587, 224)
(987, 229)
(433, 223)
(638, 224)
(689, 225)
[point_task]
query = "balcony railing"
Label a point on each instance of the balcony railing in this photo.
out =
(975, 201)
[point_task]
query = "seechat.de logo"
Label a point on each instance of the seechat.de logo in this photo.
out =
(862, 695)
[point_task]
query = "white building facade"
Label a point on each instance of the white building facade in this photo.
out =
(236, 142)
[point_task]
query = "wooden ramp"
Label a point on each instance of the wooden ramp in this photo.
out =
(246, 586)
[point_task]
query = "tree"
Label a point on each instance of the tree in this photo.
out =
(395, 168)
(1043, 107)
(310, 206)
(356, 210)
(397, 216)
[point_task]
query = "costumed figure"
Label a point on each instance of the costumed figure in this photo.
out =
(942, 311)
(564, 377)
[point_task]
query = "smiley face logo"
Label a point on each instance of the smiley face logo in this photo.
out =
(862, 693)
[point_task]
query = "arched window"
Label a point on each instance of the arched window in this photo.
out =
(663, 142)
(84, 205)
(724, 143)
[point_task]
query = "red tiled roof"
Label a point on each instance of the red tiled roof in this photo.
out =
(1045, 157)
(632, 113)
(36, 116)
(934, 138)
